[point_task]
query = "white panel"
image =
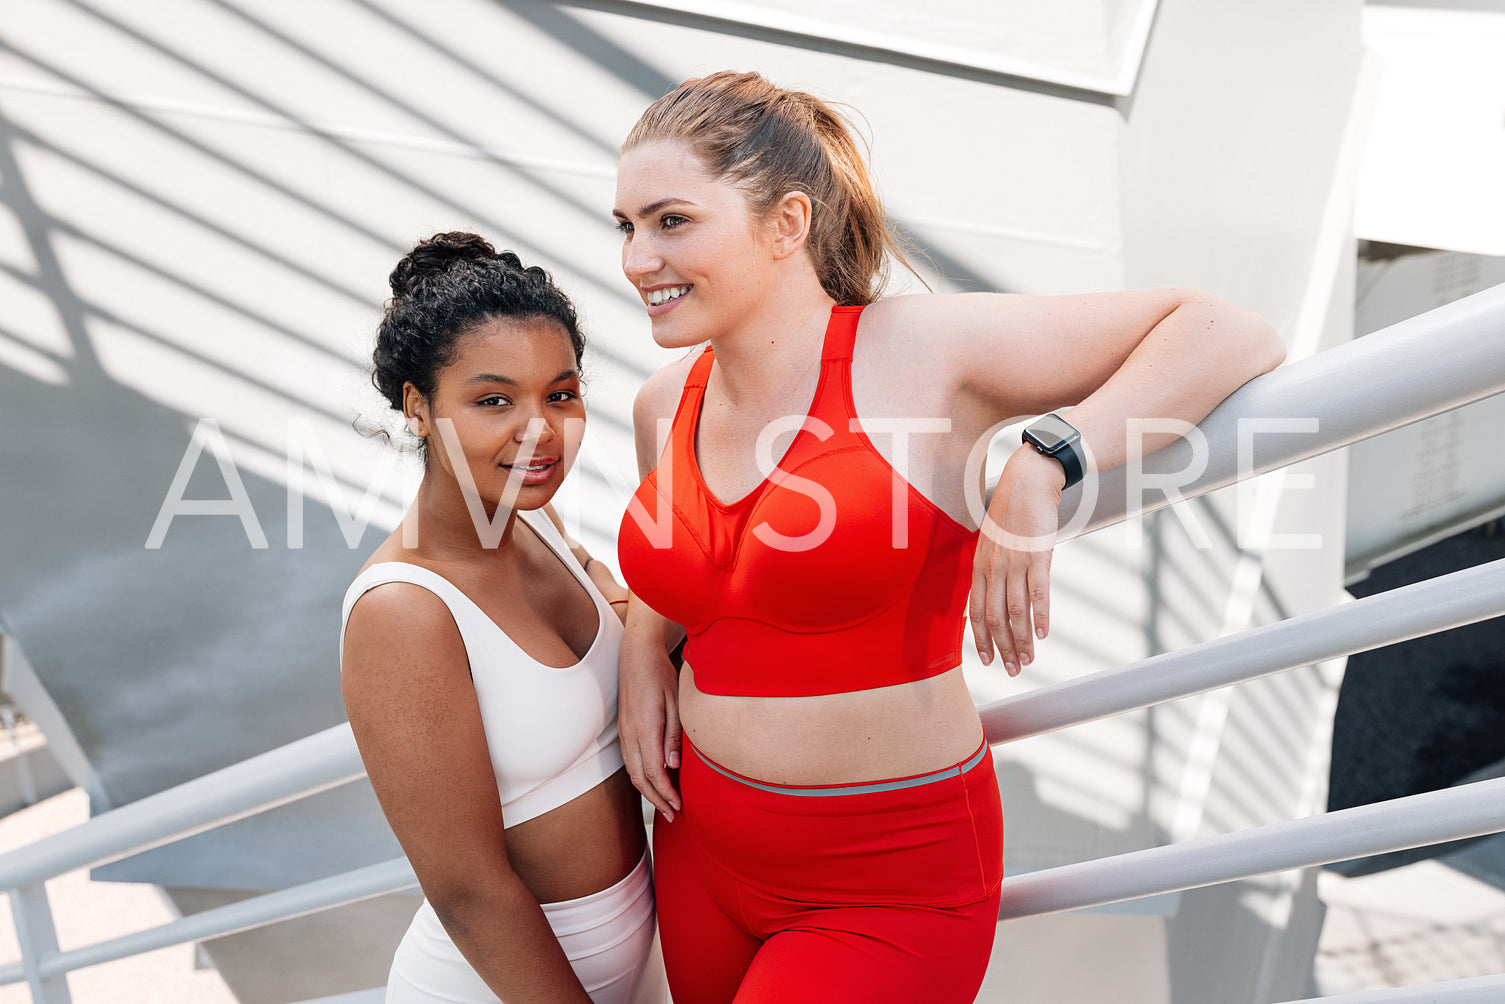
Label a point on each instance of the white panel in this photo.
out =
(1093, 45)
(1068, 33)
(1416, 485)
(1436, 151)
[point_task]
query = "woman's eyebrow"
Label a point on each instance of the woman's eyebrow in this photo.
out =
(491, 378)
(654, 207)
(569, 374)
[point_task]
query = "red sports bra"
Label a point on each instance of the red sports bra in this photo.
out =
(809, 584)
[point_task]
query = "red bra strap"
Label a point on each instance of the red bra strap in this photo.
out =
(701, 371)
(841, 334)
(687, 413)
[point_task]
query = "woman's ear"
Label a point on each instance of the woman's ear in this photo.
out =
(415, 410)
(791, 219)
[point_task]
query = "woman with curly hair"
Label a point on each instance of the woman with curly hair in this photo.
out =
(479, 654)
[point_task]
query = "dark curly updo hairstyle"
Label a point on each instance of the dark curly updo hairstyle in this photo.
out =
(444, 288)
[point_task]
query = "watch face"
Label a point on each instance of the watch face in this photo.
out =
(1051, 433)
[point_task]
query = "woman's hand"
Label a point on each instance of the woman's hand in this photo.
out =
(1010, 603)
(616, 594)
(595, 568)
(648, 708)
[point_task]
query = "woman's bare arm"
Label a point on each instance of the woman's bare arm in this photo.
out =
(648, 694)
(407, 689)
(1111, 358)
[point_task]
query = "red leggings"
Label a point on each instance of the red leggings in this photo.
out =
(871, 893)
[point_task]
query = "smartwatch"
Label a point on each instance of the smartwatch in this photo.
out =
(1052, 436)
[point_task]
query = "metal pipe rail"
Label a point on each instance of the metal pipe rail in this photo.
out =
(1422, 608)
(304, 767)
(271, 908)
(1423, 366)
(1467, 810)
(1479, 990)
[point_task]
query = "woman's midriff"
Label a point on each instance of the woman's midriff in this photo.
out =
(587, 844)
(868, 735)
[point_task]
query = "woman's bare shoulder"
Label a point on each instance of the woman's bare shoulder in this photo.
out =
(392, 622)
(926, 336)
(939, 317)
(660, 393)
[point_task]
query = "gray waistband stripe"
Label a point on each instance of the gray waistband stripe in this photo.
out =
(848, 789)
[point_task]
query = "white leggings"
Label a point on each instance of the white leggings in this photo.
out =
(606, 936)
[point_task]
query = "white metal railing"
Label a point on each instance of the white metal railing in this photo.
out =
(271, 908)
(1422, 608)
(1415, 369)
(1420, 367)
(310, 765)
(1479, 990)
(1468, 810)
(305, 767)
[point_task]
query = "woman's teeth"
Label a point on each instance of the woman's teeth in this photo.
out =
(658, 296)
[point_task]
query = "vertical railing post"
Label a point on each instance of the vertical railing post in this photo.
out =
(38, 938)
(24, 778)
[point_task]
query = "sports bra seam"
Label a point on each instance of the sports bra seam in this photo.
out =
(766, 486)
(690, 382)
(825, 452)
(684, 520)
(690, 387)
(762, 487)
(695, 535)
(858, 443)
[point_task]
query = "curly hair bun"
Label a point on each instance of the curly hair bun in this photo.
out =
(431, 259)
(448, 285)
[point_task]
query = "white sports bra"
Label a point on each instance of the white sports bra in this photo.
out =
(552, 733)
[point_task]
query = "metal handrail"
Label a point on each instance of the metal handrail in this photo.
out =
(1420, 367)
(304, 767)
(1422, 608)
(1468, 810)
(353, 886)
(1478, 990)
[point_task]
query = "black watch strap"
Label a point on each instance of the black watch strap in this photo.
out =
(1071, 460)
(1054, 437)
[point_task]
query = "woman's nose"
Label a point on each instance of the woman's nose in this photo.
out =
(640, 257)
(535, 430)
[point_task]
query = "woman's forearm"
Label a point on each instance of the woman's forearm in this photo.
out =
(501, 930)
(1186, 365)
(648, 705)
(651, 629)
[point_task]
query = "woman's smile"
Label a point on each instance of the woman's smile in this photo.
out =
(532, 473)
(660, 295)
